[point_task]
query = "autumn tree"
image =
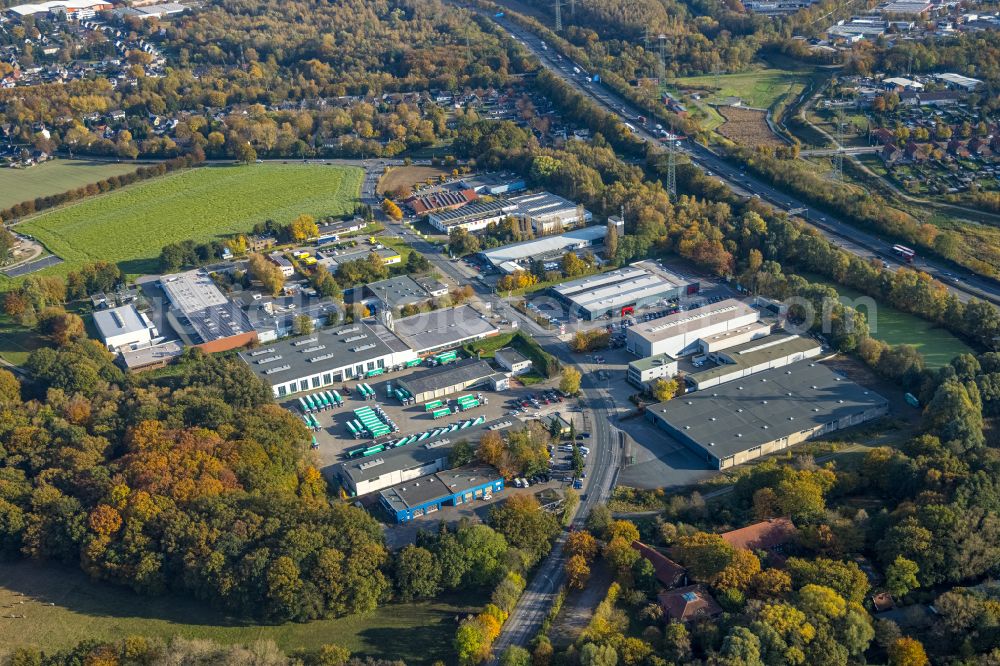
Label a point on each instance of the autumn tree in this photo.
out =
(569, 380)
(269, 275)
(577, 572)
(391, 209)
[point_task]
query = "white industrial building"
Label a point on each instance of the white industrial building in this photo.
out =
(472, 217)
(328, 356)
(77, 9)
(124, 327)
(734, 336)
(549, 213)
(737, 362)
(679, 334)
(516, 256)
(512, 360)
(644, 371)
(620, 292)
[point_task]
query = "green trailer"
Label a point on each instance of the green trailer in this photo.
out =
(441, 411)
(432, 405)
(337, 397)
(446, 357)
(414, 363)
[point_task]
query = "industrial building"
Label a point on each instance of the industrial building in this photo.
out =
(394, 466)
(332, 259)
(328, 356)
(679, 334)
(518, 256)
(202, 315)
(149, 357)
(749, 358)
(494, 184)
(428, 494)
(441, 200)
(645, 371)
(394, 293)
(734, 336)
(124, 327)
(473, 216)
(284, 265)
(742, 420)
(512, 360)
(549, 213)
(620, 292)
(425, 385)
(443, 329)
(74, 9)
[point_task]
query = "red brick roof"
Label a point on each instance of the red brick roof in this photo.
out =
(688, 603)
(668, 572)
(764, 535)
(441, 201)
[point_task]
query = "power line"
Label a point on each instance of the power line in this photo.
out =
(558, 16)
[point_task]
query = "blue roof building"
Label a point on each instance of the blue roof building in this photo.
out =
(427, 494)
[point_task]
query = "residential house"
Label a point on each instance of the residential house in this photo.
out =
(769, 535)
(668, 573)
(686, 604)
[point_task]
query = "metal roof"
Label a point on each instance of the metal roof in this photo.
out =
(756, 352)
(445, 376)
(434, 487)
(737, 416)
(442, 328)
(651, 362)
(118, 321)
(691, 320)
(326, 349)
(619, 287)
(546, 245)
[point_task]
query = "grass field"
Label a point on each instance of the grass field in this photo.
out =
(17, 185)
(890, 325)
(131, 225)
(759, 89)
(81, 609)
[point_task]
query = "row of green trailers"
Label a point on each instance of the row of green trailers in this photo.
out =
(368, 422)
(320, 402)
(400, 393)
(365, 450)
(366, 391)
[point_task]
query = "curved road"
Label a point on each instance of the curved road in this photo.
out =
(962, 283)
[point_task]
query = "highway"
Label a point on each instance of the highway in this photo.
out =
(962, 283)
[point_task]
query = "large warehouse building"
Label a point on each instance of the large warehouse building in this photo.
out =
(447, 379)
(679, 334)
(620, 292)
(202, 315)
(517, 256)
(548, 213)
(328, 356)
(774, 351)
(731, 424)
(426, 495)
(443, 329)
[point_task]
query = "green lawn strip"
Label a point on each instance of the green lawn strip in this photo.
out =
(487, 348)
(62, 607)
(55, 177)
(130, 226)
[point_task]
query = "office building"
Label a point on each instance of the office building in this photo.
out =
(428, 494)
(620, 292)
(124, 327)
(680, 333)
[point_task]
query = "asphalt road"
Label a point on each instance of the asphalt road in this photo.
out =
(962, 283)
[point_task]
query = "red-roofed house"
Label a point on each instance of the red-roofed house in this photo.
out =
(688, 603)
(884, 136)
(669, 573)
(765, 535)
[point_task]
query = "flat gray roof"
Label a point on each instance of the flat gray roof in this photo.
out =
(546, 245)
(617, 287)
(211, 314)
(419, 453)
(511, 355)
(725, 420)
(336, 257)
(756, 352)
(417, 492)
(140, 358)
(399, 291)
(442, 328)
(326, 349)
(690, 320)
(651, 362)
(542, 204)
(441, 377)
(118, 321)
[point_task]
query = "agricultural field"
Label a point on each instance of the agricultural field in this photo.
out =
(746, 127)
(62, 607)
(17, 185)
(131, 225)
(408, 177)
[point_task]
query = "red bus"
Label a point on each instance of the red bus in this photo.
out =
(906, 253)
